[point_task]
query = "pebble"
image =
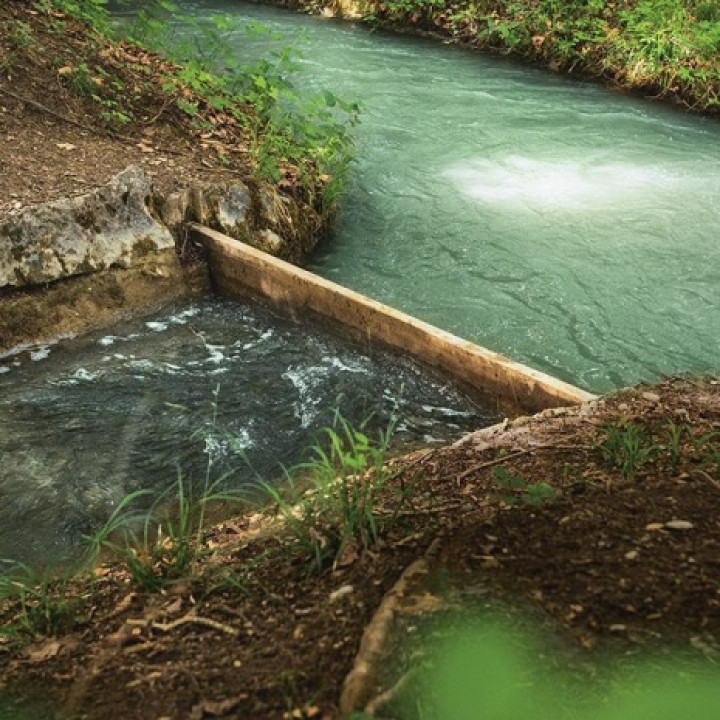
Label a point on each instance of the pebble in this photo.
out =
(679, 525)
(632, 555)
(341, 592)
(651, 396)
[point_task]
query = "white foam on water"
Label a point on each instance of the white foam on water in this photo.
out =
(353, 366)
(41, 353)
(112, 339)
(4, 369)
(142, 364)
(182, 317)
(304, 381)
(215, 353)
(556, 185)
(85, 375)
(254, 343)
(157, 326)
(224, 446)
(446, 412)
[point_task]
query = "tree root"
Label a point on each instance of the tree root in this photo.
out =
(358, 684)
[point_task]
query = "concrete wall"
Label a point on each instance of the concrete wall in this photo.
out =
(495, 381)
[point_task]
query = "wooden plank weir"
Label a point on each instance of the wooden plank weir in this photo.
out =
(495, 381)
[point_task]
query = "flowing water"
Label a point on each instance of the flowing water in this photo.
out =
(567, 226)
(82, 423)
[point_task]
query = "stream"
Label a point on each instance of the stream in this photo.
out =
(567, 226)
(217, 387)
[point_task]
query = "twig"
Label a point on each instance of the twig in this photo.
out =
(64, 118)
(520, 453)
(164, 107)
(82, 126)
(496, 461)
(710, 479)
(422, 456)
(360, 679)
(426, 511)
(195, 620)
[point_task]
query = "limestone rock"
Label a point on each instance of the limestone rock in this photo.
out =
(347, 9)
(108, 227)
(269, 242)
(221, 207)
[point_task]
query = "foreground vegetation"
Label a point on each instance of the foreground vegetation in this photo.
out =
(664, 48)
(136, 75)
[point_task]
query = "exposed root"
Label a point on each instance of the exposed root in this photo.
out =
(359, 682)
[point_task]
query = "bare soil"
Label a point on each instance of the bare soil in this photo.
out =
(59, 83)
(55, 144)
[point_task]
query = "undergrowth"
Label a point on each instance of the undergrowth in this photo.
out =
(330, 504)
(163, 544)
(512, 675)
(669, 48)
(629, 446)
(42, 601)
(190, 70)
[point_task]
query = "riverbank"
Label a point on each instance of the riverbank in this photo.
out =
(594, 527)
(666, 51)
(78, 109)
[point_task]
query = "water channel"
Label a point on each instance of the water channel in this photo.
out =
(557, 222)
(565, 225)
(83, 423)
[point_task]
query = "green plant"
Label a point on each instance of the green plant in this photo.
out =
(704, 442)
(38, 602)
(92, 12)
(285, 126)
(515, 489)
(627, 447)
(331, 502)
(162, 544)
(20, 36)
(676, 432)
(82, 80)
(495, 667)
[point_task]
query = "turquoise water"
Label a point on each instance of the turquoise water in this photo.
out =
(565, 225)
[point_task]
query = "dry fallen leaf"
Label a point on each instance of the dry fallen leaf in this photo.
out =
(44, 652)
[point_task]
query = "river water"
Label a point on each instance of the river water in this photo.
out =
(84, 422)
(557, 222)
(565, 225)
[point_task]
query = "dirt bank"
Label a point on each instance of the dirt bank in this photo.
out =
(556, 517)
(77, 109)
